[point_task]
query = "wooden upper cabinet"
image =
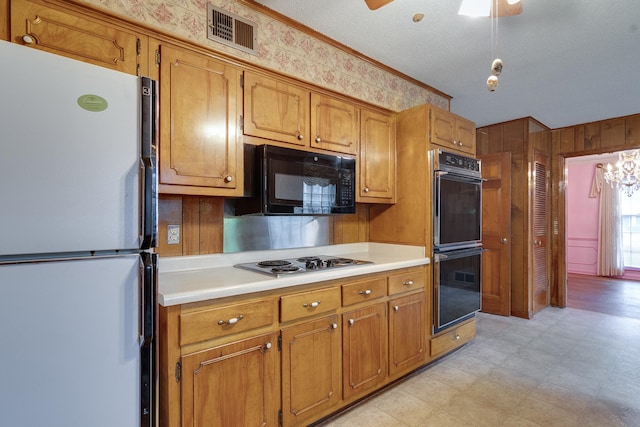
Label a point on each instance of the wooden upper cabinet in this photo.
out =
(275, 110)
(199, 144)
(377, 157)
(452, 132)
(74, 35)
(334, 124)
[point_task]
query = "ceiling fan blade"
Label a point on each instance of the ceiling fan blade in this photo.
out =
(504, 8)
(375, 4)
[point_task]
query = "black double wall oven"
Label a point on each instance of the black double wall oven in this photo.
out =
(457, 238)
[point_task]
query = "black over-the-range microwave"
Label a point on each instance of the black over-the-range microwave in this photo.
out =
(285, 181)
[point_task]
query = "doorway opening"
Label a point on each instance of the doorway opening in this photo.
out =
(584, 288)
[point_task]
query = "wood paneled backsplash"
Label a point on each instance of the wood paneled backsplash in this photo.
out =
(201, 222)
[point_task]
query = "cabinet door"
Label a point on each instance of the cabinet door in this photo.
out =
(275, 110)
(334, 124)
(232, 385)
(364, 347)
(377, 159)
(466, 135)
(311, 376)
(407, 329)
(443, 131)
(452, 132)
(199, 151)
(76, 36)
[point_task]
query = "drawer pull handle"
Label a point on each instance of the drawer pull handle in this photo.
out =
(457, 337)
(365, 292)
(312, 305)
(408, 283)
(231, 321)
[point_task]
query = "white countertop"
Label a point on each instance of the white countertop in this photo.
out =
(203, 277)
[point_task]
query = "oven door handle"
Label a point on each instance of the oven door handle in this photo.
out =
(439, 257)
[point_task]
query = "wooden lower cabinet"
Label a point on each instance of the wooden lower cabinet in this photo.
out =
(311, 371)
(364, 349)
(407, 326)
(291, 358)
(453, 338)
(232, 385)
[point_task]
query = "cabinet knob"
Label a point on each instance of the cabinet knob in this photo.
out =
(504, 240)
(365, 292)
(300, 136)
(231, 321)
(408, 283)
(351, 322)
(460, 143)
(228, 178)
(27, 39)
(318, 139)
(457, 337)
(314, 304)
(267, 346)
(396, 308)
(334, 326)
(366, 189)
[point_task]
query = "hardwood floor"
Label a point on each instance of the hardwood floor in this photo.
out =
(604, 295)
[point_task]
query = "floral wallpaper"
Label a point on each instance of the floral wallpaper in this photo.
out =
(281, 48)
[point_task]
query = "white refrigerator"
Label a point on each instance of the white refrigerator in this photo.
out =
(78, 218)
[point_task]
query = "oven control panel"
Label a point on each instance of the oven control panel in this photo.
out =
(453, 162)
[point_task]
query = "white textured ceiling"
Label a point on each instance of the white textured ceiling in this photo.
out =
(566, 62)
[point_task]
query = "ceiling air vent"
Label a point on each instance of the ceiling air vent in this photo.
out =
(232, 30)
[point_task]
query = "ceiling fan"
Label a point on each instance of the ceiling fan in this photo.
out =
(503, 7)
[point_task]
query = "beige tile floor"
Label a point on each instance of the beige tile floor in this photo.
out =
(565, 367)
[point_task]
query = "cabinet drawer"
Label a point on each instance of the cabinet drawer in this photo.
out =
(365, 290)
(453, 338)
(225, 320)
(407, 281)
(304, 304)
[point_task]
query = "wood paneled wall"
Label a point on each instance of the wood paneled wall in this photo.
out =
(605, 136)
(521, 138)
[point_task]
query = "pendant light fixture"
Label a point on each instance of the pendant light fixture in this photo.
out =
(625, 174)
(494, 9)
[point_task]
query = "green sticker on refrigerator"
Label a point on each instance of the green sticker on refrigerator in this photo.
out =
(93, 103)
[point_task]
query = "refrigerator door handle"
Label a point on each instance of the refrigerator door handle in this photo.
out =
(148, 374)
(149, 286)
(149, 137)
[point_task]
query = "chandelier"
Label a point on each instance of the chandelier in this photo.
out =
(625, 174)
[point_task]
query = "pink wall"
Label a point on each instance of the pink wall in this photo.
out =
(582, 219)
